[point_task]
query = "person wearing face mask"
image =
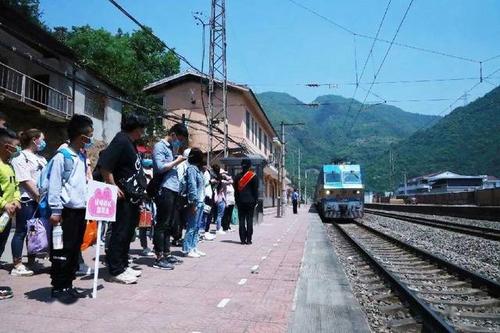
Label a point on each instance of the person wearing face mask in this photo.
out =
(28, 167)
(9, 189)
(67, 200)
(120, 164)
(165, 162)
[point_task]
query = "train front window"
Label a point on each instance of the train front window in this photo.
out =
(352, 177)
(332, 177)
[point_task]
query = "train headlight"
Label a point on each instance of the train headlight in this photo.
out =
(327, 192)
(358, 192)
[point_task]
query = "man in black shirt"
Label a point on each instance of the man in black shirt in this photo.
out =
(120, 165)
(246, 194)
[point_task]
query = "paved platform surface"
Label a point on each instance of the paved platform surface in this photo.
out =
(223, 292)
(324, 301)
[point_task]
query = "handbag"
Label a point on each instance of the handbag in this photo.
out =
(90, 235)
(145, 218)
(37, 240)
(134, 187)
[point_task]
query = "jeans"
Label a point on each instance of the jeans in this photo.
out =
(192, 226)
(228, 214)
(4, 236)
(26, 213)
(294, 204)
(245, 215)
(221, 205)
(166, 219)
(122, 231)
(65, 261)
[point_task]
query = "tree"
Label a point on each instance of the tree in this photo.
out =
(29, 8)
(130, 61)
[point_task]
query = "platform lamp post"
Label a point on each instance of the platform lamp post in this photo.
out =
(305, 181)
(281, 198)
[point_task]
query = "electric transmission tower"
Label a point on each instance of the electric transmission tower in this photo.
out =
(217, 85)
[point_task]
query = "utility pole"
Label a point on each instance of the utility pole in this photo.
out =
(217, 104)
(298, 174)
(281, 198)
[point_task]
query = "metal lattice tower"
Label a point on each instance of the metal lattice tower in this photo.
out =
(217, 86)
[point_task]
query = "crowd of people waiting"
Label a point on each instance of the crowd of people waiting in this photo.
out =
(174, 183)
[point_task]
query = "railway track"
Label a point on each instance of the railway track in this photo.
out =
(445, 297)
(487, 233)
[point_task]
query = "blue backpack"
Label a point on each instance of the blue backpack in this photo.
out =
(43, 181)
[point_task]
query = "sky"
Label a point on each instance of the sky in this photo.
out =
(278, 45)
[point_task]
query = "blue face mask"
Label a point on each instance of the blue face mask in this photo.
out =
(15, 153)
(41, 145)
(89, 144)
(176, 144)
(147, 162)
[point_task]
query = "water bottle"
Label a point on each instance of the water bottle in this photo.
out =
(57, 237)
(4, 220)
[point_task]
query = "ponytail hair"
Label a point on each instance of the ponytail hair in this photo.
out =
(26, 137)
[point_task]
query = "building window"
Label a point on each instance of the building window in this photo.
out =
(94, 105)
(265, 144)
(254, 139)
(248, 125)
(260, 138)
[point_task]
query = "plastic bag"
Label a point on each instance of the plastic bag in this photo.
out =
(90, 235)
(37, 240)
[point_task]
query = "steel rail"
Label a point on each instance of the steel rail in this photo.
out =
(431, 320)
(475, 279)
(487, 233)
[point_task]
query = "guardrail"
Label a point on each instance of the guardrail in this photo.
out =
(31, 91)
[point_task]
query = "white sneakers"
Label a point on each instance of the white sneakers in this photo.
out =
(193, 254)
(208, 236)
(133, 272)
(220, 232)
(21, 270)
(200, 253)
(125, 278)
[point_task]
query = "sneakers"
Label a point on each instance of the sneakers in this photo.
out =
(208, 236)
(193, 254)
(147, 253)
(84, 270)
(200, 253)
(163, 264)
(133, 272)
(125, 278)
(173, 260)
(67, 293)
(220, 232)
(21, 270)
(6, 292)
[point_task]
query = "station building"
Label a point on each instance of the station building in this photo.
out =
(447, 182)
(251, 133)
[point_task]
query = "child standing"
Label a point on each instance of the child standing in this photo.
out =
(67, 200)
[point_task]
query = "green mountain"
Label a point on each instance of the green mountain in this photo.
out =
(466, 141)
(327, 133)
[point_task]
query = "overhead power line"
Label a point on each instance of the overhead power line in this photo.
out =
(149, 32)
(416, 48)
(366, 61)
(382, 63)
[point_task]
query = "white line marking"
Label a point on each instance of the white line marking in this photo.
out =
(223, 303)
(242, 282)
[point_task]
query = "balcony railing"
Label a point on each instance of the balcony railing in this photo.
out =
(31, 91)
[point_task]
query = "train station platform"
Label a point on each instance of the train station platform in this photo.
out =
(235, 288)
